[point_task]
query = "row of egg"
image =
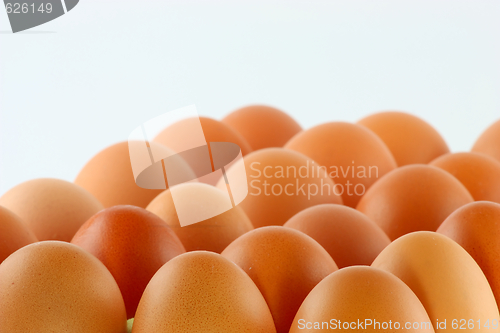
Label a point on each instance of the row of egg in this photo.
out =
(284, 265)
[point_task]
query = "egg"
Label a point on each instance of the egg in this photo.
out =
(410, 139)
(413, 198)
(193, 138)
(280, 184)
(202, 292)
(479, 173)
(285, 264)
(353, 156)
(133, 244)
(263, 126)
(476, 227)
(109, 176)
(54, 286)
(347, 235)
(488, 142)
(13, 233)
(53, 209)
(212, 234)
(361, 299)
(176, 135)
(445, 278)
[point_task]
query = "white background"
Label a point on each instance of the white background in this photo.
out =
(75, 85)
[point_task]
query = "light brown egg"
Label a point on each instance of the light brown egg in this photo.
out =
(212, 234)
(202, 292)
(377, 300)
(109, 177)
(263, 126)
(354, 156)
(176, 135)
(133, 244)
(410, 139)
(489, 142)
(350, 237)
(55, 286)
(476, 227)
(445, 278)
(479, 173)
(412, 198)
(14, 234)
(280, 184)
(53, 209)
(285, 264)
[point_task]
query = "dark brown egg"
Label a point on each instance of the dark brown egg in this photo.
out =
(133, 244)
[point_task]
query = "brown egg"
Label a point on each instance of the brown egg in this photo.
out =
(212, 234)
(476, 227)
(489, 142)
(479, 173)
(55, 286)
(412, 198)
(133, 244)
(354, 156)
(410, 139)
(347, 235)
(109, 177)
(187, 136)
(263, 126)
(285, 264)
(53, 209)
(280, 184)
(175, 135)
(13, 233)
(202, 292)
(445, 278)
(361, 299)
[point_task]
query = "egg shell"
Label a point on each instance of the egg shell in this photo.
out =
(413, 198)
(285, 264)
(133, 244)
(182, 136)
(488, 142)
(358, 294)
(212, 234)
(354, 156)
(347, 235)
(53, 209)
(175, 135)
(109, 177)
(280, 184)
(479, 173)
(476, 227)
(202, 292)
(410, 139)
(13, 233)
(54, 286)
(445, 278)
(263, 126)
